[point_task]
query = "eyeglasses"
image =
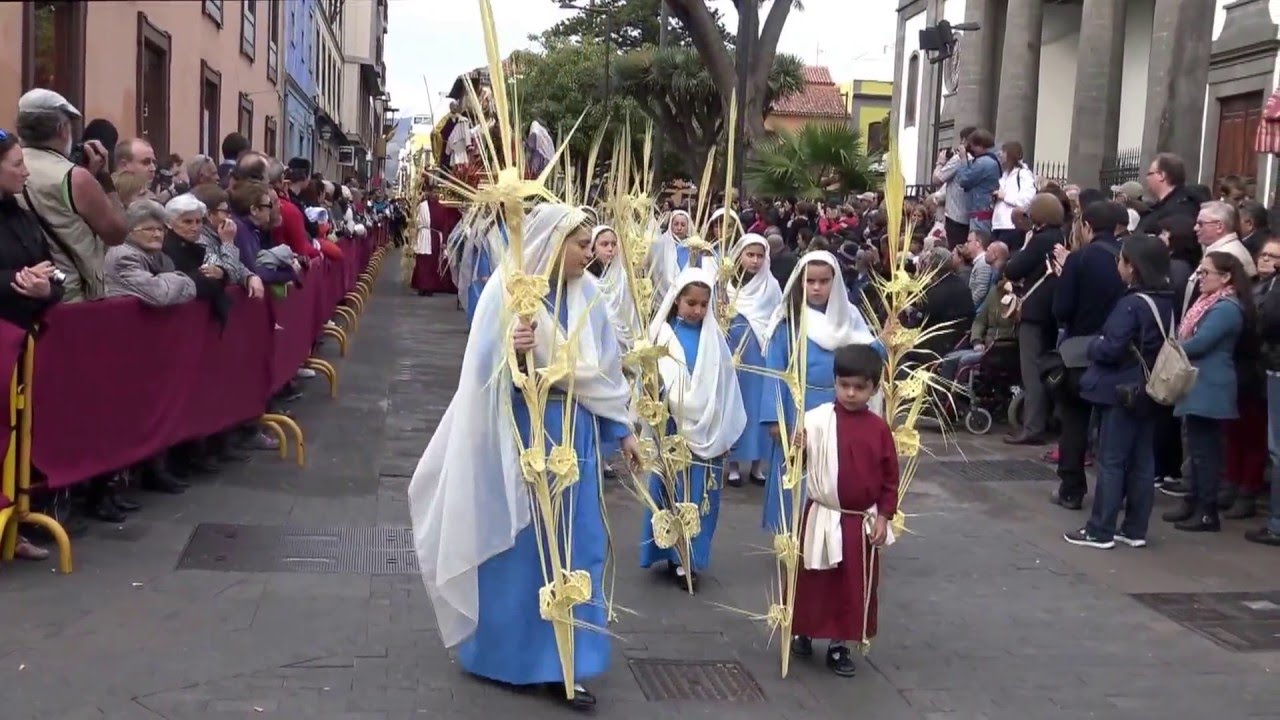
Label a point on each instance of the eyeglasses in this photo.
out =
(1269, 256)
(263, 206)
(149, 230)
(1201, 272)
(1208, 222)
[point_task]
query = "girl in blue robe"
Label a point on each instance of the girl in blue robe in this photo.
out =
(816, 290)
(705, 404)
(482, 559)
(754, 296)
(482, 268)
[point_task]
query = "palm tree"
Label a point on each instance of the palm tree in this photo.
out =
(820, 160)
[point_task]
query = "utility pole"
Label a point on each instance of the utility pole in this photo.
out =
(664, 40)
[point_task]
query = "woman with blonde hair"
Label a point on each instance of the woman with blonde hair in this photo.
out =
(131, 186)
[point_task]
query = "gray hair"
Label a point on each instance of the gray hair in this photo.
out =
(935, 257)
(275, 171)
(1222, 212)
(196, 164)
(40, 127)
(182, 205)
(140, 211)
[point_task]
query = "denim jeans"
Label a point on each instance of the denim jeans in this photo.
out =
(1204, 448)
(1273, 446)
(1126, 473)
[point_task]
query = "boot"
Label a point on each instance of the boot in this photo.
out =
(98, 504)
(1185, 511)
(157, 478)
(1243, 507)
(1206, 521)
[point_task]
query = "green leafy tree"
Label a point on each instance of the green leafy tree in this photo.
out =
(819, 160)
(629, 24)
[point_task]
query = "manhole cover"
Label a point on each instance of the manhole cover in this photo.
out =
(278, 548)
(1243, 622)
(699, 681)
(998, 470)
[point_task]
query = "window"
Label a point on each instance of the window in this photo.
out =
(273, 40)
(210, 108)
(269, 137)
(245, 124)
(875, 138)
(213, 9)
(53, 48)
(154, 52)
(912, 92)
(248, 28)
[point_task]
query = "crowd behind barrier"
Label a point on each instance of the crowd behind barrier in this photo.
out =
(115, 382)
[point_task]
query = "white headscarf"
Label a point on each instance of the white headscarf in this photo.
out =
(760, 297)
(664, 261)
(468, 498)
(707, 403)
(613, 285)
(841, 324)
(477, 232)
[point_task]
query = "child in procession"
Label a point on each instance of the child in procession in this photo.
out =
(755, 296)
(700, 389)
(851, 498)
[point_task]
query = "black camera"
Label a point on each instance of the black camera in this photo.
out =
(78, 156)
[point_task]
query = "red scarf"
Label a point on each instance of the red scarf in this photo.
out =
(1199, 308)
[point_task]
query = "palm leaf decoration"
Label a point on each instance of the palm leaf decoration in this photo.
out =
(817, 161)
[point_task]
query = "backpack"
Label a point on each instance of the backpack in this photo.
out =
(1172, 376)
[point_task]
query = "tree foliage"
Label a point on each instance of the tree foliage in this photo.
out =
(629, 24)
(673, 87)
(819, 160)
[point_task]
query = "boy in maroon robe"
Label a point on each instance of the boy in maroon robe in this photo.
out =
(849, 448)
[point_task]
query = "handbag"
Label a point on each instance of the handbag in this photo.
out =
(1172, 376)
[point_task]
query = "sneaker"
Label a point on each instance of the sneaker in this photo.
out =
(1263, 536)
(1084, 538)
(1131, 542)
(840, 660)
(802, 646)
(305, 373)
(1175, 488)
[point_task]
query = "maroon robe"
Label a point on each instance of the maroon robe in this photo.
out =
(431, 272)
(830, 604)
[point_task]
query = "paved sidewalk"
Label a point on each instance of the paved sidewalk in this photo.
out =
(985, 613)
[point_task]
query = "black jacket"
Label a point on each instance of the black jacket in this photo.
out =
(1090, 286)
(782, 264)
(188, 258)
(22, 245)
(1177, 202)
(947, 304)
(1027, 266)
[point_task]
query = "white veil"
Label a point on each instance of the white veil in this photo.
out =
(613, 285)
(841, 324)
(664, 263)
(468, 498)
(760, 297)
(707, 403)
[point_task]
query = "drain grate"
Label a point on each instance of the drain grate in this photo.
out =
(1239, 621)
(998, 470)
(726, 681)
(279, 548)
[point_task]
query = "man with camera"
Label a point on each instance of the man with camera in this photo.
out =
(75, 204)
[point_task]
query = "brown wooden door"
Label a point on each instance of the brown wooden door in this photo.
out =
(155, 97)
(1238, 120)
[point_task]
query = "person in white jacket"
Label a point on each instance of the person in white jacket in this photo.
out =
(1017, 187)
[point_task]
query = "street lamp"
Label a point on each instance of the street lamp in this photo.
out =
(591, 9)
(939, 42)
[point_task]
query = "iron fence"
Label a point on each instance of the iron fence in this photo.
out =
(1123, 167)
(1051, 171)
(919, 191)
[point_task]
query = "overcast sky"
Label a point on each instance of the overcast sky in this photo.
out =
(437, 40)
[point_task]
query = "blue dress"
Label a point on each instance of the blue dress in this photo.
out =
(482, 268)
(703, 478)
(755, 443)
(512, 643)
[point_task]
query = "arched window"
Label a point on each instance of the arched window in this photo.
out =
(913, 91)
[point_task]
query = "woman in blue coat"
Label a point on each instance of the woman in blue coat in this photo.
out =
(1112, 383)
(1210, 332)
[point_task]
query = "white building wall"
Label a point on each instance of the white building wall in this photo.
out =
(953, 12)
(1140, 17)
(1059, 45)
(908, 138)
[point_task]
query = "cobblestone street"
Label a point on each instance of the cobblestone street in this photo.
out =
(985, 612)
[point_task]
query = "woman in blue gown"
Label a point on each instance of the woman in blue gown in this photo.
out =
(482, 263)
(705, 405)
(479, 544)
(754, 296)
(816, 292)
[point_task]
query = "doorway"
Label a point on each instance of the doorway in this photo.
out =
(153, 85)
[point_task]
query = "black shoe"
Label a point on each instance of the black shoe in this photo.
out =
(1070, 503)
(1022, 438)
(202, 465)
(802, 646)
(1084, 538)
(1175, 488)
(231, 454)
(157, 478)
(733, 480)
(840, 660)
(677, 577)
(1263, 536)
(105, 510)
(583, 700)
(1243, 508)
(122, 503)
(1185, 511)
(759, 480)
(1199, 523)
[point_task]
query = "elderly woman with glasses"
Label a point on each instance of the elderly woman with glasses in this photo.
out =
(218, 236)
(202, 170)
(139, 267)
(182, 244)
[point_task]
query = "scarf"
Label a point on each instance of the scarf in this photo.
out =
(617, 295)
(758, 298)
(1199, 308)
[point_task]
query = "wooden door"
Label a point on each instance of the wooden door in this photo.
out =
(1238, 120)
